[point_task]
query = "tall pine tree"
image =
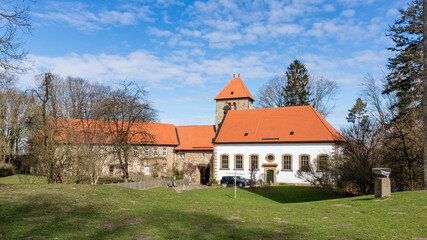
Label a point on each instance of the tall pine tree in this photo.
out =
(296, 92)
(406, 67)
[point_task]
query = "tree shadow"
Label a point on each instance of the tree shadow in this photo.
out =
(56, 216)
(293, 194)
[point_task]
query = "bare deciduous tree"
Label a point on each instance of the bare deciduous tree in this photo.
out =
(127, 112)
(323, 93)
(15, 21)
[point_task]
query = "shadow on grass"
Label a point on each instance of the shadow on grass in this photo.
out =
(54, 216)
(293, 194)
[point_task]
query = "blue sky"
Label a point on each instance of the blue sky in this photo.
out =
(185, 52)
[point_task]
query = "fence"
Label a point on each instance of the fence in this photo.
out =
(152, 183)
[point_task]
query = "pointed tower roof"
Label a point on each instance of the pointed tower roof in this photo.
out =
(234, 89)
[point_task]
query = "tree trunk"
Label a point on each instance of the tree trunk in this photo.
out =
(425, 91)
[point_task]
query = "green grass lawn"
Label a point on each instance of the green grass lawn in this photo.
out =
(23, 179)
(281, 212)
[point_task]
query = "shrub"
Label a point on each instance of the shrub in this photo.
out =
(6, 169)
(212, 182)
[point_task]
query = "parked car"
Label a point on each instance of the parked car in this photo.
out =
(228, 181)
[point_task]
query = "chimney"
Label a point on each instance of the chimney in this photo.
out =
(234, 75)
(238, 75)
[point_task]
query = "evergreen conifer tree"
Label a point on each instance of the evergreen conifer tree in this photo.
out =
(406, 67)
(296, 92)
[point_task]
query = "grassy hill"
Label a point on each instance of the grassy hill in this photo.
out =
(32, 211)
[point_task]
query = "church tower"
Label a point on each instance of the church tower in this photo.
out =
(234, 96)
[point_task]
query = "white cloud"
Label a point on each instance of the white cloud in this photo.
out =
(159, 33)
(80, 15)
(178, 69)
(348, 13)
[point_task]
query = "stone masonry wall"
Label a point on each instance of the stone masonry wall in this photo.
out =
(241, 103)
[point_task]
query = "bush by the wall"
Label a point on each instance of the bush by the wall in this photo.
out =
(6, 169)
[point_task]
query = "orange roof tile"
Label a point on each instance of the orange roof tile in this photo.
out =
(195, 137)
(234, 89)
(286, 124)
(72, 131)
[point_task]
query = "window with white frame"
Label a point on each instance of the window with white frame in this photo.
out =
(147, 151)
(224, 161)
(239, 162)
(156, 151)
(135, 152)
(165, 151)
(304, 163)
(254, 162)
(322, 162)
(287, 162)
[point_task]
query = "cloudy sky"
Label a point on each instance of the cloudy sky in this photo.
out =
(185, 52)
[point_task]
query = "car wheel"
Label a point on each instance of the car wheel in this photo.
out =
(241, 185)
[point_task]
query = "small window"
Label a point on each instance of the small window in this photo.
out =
(164, 151)
(182, 155)
(203, 155)
(114, 149)
(135, 152)
(322, 162)
(156, 152)
(270, 157)
(287, 162)
(101, 150)
(254, 162)
(224, 161)
(239, 161)
(304, 162)
(164, 166)
(147, 151)
(234, 106)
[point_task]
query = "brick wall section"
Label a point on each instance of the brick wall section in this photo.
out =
(242, 103)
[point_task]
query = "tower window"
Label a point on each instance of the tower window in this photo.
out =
(234, 106)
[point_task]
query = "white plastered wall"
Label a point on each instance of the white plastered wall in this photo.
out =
(263, 149)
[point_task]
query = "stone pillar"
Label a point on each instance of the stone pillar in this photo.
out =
(382, 187)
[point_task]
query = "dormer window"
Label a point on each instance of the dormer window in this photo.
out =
(232, 93)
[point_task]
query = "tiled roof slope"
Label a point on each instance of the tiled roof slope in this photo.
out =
(286, 124)
(234, 89)
(72, 131)
(196, 137)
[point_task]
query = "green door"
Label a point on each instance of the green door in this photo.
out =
(270, 176)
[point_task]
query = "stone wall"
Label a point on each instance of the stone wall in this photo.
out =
(192, 163)
(142, 163)
(241, 103)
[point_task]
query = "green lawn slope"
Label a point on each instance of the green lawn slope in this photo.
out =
(30, 211)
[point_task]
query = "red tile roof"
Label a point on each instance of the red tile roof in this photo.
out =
(234, 89)
(72, 131)
(195, 137)
(286, 124)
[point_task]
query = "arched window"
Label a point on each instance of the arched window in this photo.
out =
(224, 161)
(286, 162)
(254, 162)
(238, 161)
(304, 162)
(322, 162)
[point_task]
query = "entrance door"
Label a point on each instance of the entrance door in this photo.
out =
(147, 171)
(270, 176)
(204, 175)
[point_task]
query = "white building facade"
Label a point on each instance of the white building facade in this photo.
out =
(273, 162)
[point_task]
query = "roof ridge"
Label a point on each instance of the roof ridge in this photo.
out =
(320, 119)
